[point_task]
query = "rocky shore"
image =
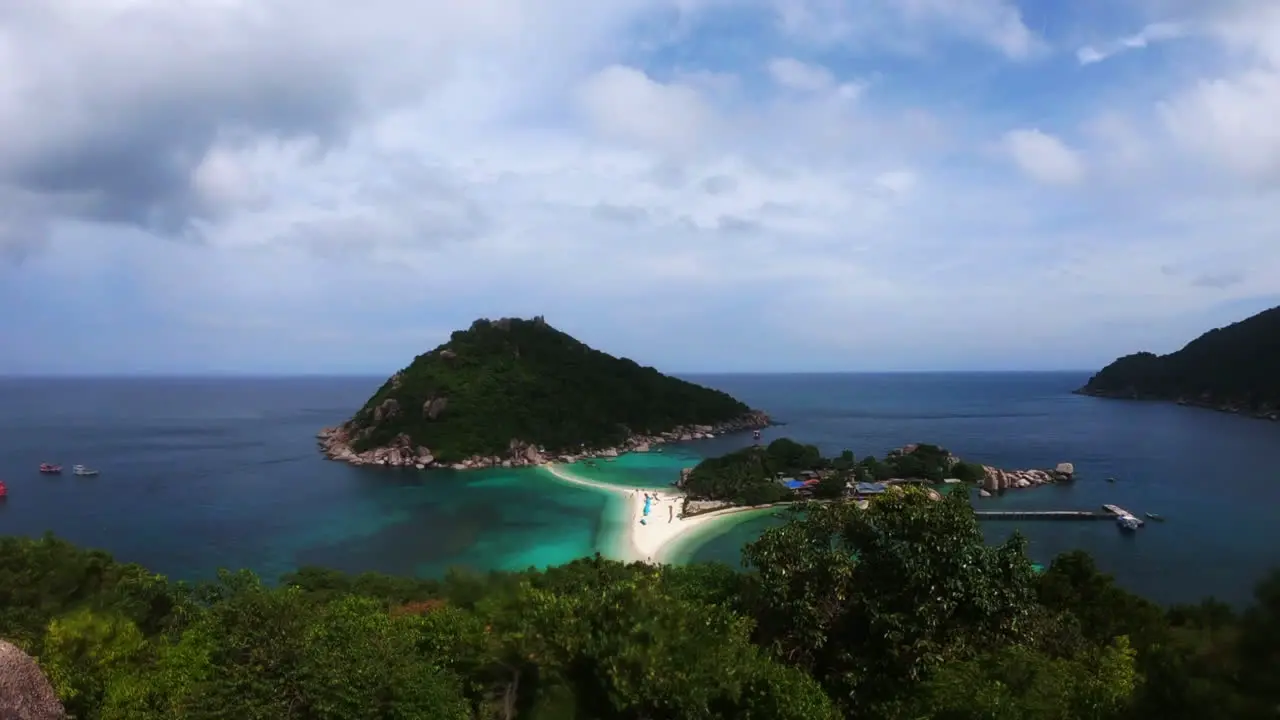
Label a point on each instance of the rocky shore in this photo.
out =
(335, 442)
(997, 480)
(1236, 407)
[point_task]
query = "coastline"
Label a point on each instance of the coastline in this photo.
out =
(1230, 408)
(336, 441)
(660, 539)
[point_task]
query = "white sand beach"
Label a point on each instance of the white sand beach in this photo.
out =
(652, 540)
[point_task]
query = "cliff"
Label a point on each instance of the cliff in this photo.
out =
(1233, 369)
(516, 392)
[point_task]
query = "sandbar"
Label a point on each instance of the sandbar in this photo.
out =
(653, 540)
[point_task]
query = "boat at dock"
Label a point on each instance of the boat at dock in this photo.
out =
(1128, 523)
(50, 469)
(1155, 516)
(83, 471)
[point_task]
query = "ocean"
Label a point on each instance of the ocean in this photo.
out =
(204, 473)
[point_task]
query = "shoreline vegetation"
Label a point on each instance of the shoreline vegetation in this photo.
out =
(1229, 369)
(742, 483)
(896, 610)
(516, 393)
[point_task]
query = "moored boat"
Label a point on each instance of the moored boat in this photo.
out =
(1128, 523)
(1155, 516)
(50, 469)
(83, 471)
(4, 491)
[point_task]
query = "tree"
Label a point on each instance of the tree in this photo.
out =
(873, 601)
(84, 653)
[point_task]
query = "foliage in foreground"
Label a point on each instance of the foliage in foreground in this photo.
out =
(898, 612)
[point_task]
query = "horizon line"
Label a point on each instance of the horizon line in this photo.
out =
(214, 375)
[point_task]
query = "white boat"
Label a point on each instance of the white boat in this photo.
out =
(83, 471)
(1128, 523)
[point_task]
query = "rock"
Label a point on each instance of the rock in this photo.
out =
(432, 408)
(448, 354)
(1065, 468)
(25, 693)
(984, 493)
(387, 410)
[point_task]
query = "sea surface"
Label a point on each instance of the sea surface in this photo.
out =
(199, 474)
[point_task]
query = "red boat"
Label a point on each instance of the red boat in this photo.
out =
(4, 491)
(49, 469)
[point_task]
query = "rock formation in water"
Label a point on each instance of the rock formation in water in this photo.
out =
(1233, 369)
(515, 392)
(25, 693)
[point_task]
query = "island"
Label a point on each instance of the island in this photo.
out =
(786, 470)
(1231, 369)
(516, 392)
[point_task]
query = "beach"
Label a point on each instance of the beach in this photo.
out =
(655, 539)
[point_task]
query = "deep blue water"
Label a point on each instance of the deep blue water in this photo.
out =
(203, 473)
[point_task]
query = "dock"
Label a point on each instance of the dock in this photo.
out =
(1108, 512)
(1041, 515)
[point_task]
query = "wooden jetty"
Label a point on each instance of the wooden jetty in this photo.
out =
(1108, 512)
(1041, 515)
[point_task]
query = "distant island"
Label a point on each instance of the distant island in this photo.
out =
(515, 392)
(1234, 369)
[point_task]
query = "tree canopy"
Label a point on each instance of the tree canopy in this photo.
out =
(896, 612)
(515, 379)
(1230, 366)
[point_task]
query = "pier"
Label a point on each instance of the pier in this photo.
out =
(1108, 512)
(1042, 515)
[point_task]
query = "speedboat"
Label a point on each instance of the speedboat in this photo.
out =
(50, 469)
(4, 491)
(1155, 516)
(83, 471)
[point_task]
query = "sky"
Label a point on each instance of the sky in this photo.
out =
(321, 186)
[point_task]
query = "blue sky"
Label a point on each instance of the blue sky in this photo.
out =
(703, 185)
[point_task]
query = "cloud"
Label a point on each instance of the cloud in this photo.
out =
(1149, 35)
(1044, 157)
(791, 73)
(320, 186)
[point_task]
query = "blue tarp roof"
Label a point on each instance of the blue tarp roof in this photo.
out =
(864, 487)
(795, 484)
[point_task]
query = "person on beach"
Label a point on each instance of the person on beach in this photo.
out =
(671, 513)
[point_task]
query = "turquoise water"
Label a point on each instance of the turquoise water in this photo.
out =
(199, 474)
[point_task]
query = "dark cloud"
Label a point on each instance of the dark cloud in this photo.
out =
(736, 225)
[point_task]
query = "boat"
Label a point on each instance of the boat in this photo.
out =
(755, 434)
(1128, 523)
(4, 491)
(50, 469)
(83, 471)
(1155, 516)
(1111, 479)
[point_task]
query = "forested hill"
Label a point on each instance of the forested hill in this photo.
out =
(1234, 368)
(506, 388)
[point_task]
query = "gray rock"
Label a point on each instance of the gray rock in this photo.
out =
(25, 693)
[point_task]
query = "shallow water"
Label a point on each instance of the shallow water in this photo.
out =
(200, 474)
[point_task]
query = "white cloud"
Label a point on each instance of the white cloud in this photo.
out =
(360, 177)
(1233, 122)
(1044, 157)
(1153, 33)
(624, 104)
(792, 73)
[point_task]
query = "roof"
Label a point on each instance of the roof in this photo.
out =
(794, 484)
(865, 487)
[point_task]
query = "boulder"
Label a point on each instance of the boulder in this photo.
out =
(25, 693)
(1065, 469)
